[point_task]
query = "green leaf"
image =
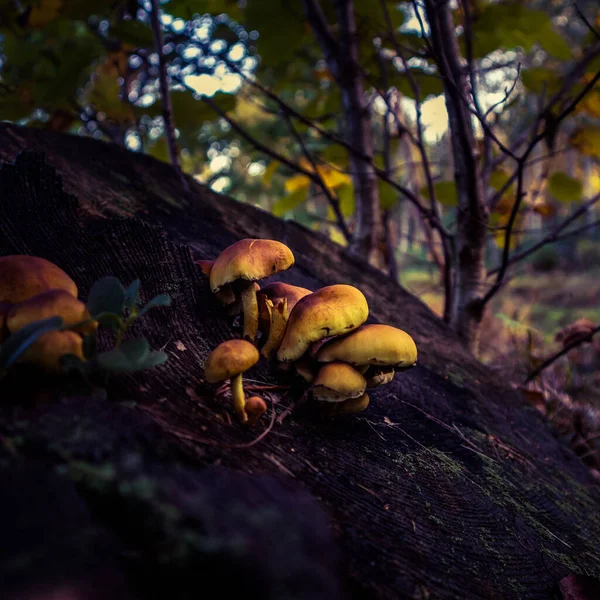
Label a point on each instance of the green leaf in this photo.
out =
(345, 195)
(132, 32)
(17, 343)
(445, 192)
(388, 196)
(154, 359)
(554, 43)
(509, 24)
(428, 84)
(282, 30)
(289, 202)
(131, 356)
(106, 296)
(565, 188)
(127, 357)
(160, 300)
(539, 79)
(186, 9)
(131, 294)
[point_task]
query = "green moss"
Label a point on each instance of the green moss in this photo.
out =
(429, 460)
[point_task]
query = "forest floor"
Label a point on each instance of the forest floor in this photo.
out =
(524, 319)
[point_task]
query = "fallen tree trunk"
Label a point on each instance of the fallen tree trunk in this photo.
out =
(446, 487)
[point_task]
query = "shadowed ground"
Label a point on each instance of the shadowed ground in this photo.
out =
(446, 487)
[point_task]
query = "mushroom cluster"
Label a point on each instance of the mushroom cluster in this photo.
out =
(322, 335)
(32, 289)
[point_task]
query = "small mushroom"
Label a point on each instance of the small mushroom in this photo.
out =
(379, 345)
(275, 302)
(354, 405)
(332, 310)
(243, 263)
(255, 408)
(53, 303)
(335, 383)
(50, 347)
(225, 295)
(228, 361)
(22, 277)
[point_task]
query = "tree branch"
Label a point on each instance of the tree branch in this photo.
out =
(552, 359)
(537, 137)
(447, 266)
(333, 201)
(167, 109)
(325, 39)
(551, 237)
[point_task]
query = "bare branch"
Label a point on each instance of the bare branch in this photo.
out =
(586, 20)
(552, 359)
(537, 137)
(333, 201)
(554, 236)
(328, 43)
(165, 94)
(447, 264)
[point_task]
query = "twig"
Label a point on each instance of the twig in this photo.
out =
(554, 235)
(332, 199)
(552, 359)
(447, 266)
(263, 434)
(388, 233)
(585, 19)
(537, 137)
(165, 94)
(259, 145)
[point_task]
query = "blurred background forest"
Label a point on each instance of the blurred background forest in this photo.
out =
(454, 145)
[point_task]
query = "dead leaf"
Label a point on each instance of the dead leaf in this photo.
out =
(576, 331)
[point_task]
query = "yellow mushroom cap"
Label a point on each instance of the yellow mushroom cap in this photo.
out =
(353, 405)
(230, 359)
(332, 310)
(338, 381)
(381, 345)
(22, 277)
(206, 266)
(53, 303)
(278, 291)
(50, 347)
(250, 259)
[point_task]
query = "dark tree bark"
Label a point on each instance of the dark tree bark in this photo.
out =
(472, 218)
(446, 487)
(342, 59)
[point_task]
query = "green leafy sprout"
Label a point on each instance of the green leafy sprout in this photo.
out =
(114, 307)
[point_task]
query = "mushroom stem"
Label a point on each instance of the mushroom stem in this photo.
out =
(250, 307)
(239, 401)
(276, 329)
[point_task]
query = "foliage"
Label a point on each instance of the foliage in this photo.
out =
(112, 306)
(260, 113)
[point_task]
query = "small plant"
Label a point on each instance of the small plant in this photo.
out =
(112, 306)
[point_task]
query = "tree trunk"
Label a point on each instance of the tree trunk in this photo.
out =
(343, 61)
(470, 275)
